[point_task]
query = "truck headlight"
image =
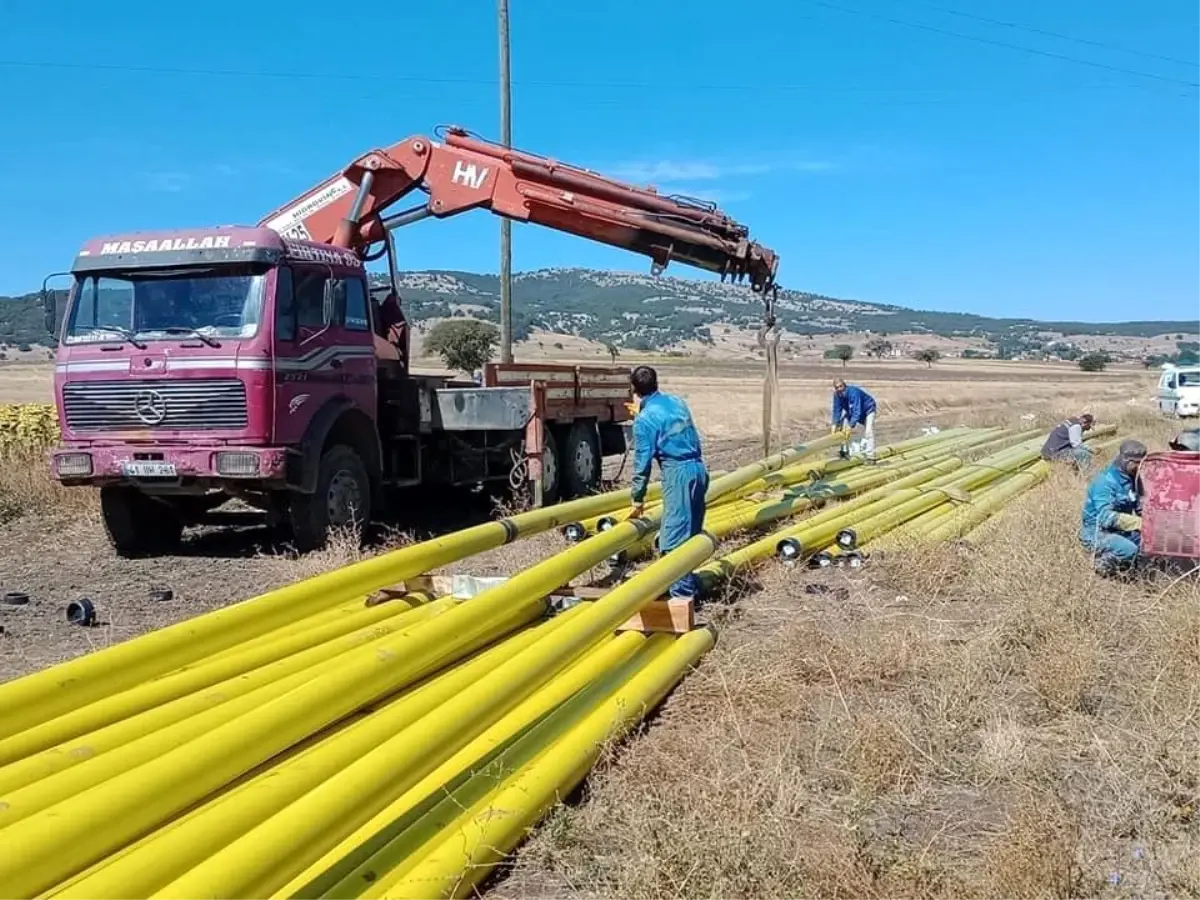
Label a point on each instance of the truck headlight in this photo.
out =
(237, 463)
(73, 465)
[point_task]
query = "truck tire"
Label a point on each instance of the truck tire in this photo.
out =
(551, 468)
(581, 460)
(138, 525)
(342, 499)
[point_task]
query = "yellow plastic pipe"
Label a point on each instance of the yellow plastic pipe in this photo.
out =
(186, 680)
(317, 821)
(420, 832)
(127, 742)
(268, 769)
(57, 841)
(139, 799)
(793, 472)
(801, 472)
(913, 502)
(726, 566)
(51, 692)
(805, 471)
(397, 830)
(910, 532)
(729, 483)
(742, 514)
(967, 517)
(180, 847)
(50, 792)
(466, 855)
(412, 600)
(810, 535)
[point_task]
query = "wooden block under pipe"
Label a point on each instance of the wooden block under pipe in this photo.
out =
(676, 615)
(383, 595)
(430, 585)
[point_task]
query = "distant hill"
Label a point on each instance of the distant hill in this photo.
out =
(642, 312)
(21, 321)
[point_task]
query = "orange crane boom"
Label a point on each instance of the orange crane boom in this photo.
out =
(461, 172)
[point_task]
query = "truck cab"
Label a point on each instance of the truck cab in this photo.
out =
(201, 365)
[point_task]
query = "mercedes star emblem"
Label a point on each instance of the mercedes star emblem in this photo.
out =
(150, 407)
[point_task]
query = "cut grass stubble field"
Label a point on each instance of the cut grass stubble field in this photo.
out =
(989, 722)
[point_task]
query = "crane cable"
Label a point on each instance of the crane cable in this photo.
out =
(768, 339)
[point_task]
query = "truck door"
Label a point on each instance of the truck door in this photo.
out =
(323, 346)
(1166, 393)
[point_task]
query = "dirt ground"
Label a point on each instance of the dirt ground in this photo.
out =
(942, 723)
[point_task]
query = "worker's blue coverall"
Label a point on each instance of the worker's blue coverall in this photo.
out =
(1110, 493)
(663, 430)
(854, 406)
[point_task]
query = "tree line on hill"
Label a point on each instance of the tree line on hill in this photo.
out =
(644, 313)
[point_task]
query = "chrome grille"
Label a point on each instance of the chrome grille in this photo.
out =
(197, 403)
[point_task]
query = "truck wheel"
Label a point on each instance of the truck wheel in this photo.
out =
(138, 525)
(342, 500)
(551, 467)
(581, 460)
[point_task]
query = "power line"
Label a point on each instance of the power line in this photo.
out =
(1062, 37)
(391, 78)
(994, 43)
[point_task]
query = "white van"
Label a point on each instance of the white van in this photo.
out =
(1179, 391)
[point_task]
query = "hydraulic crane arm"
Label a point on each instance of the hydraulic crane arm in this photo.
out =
(351, 208)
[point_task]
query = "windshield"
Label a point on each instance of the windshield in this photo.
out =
(167, 304)
(1189, 378)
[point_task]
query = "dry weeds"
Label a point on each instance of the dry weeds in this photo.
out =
(26, 487)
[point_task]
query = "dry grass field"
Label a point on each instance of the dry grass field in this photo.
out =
(993, 721)
(22, 382)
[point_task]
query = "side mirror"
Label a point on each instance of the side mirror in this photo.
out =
(49, 296)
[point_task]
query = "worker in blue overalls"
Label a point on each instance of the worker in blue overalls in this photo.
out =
(1111, 523)
(852, 406)
(663, 430)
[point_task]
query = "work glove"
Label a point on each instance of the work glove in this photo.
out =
(1128, 522)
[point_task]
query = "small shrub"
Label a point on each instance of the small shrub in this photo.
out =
(464, 344)
(844, 352)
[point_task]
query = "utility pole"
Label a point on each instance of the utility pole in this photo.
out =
(505, 224)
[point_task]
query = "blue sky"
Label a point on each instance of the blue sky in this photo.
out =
(884, 158)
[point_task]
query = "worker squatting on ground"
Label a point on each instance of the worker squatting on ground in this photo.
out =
(852, 406)
(1065, 441)
(663, 430)
(1112, 524)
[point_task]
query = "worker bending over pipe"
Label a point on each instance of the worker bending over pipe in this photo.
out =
(663, 430)
(852, 406)
(1065, 441)
(1111, 526)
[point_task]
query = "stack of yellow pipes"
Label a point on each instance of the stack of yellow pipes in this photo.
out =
(247, 751)
(309, 743)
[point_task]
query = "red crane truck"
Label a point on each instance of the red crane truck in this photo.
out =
(195, 366)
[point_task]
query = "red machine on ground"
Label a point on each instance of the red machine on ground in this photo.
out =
(1170, 486)
(256, 362)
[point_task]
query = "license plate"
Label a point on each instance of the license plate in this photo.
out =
(150, 469)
